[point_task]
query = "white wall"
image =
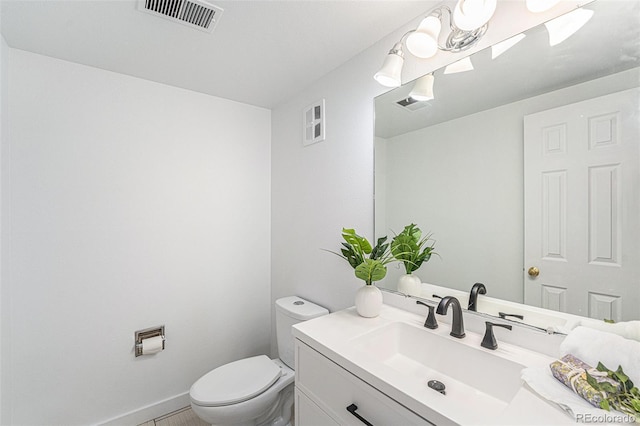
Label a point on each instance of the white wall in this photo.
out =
(3, 130)
(133, 204)
(470, 172)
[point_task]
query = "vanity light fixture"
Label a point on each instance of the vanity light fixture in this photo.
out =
(468, 22)
(563, 27)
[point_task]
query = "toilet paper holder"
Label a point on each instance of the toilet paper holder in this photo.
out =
(147, 333)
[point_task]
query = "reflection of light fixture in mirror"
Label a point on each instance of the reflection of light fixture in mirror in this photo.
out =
(390, 74)
(462, 65)
(499, 48)
(563, 27)
(423, 88)
(467, 24)
(537, 6)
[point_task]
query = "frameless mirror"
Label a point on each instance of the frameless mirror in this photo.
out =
(456, 167)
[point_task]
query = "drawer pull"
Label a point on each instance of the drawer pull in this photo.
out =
(352, 409)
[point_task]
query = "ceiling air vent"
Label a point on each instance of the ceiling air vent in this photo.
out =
(411, 104)
(197, 14)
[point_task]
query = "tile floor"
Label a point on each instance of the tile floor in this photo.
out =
(182, 417)
(186, 417)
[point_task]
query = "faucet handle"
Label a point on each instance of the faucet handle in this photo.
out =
(489, 341)
(431, 321)
(504, 316)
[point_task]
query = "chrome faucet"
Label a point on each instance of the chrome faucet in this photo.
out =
(457, 326)
(478, 288)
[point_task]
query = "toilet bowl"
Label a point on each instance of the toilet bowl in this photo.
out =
(245, 394)
(257, 390)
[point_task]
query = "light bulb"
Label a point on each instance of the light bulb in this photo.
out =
(470, 15)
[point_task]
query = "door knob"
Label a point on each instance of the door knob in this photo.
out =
(533, 272)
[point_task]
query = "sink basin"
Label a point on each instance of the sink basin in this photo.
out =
(470, 373)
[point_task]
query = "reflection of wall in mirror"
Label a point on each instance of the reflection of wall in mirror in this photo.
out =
(463, 181)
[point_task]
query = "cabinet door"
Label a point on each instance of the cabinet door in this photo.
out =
(333, 389)
(309, 414)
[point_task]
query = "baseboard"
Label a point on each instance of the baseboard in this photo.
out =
(149, 412)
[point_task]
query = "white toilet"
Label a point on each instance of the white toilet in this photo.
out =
(256, 390)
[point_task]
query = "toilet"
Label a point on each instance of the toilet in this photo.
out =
(256, 390)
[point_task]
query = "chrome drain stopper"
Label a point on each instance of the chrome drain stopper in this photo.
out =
(437, 386)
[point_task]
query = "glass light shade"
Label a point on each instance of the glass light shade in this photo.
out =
(423, 88)
(563, 27)
(537, 6)
(499, 48)
(462, 65)
(470, 15)
(391, 73)
(423, 42)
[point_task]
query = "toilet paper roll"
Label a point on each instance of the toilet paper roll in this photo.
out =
(152, 345)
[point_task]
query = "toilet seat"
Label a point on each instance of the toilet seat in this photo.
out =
(235, 382)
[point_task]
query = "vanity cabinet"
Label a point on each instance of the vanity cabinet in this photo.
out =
(325, 390)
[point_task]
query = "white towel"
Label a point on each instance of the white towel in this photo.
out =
(593, 346)
(542, 382)
(626, 329)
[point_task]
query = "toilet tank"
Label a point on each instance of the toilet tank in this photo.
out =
(290, 311)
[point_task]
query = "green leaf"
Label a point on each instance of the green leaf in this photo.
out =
(625, 399)
(355, 249)
(608, 387)
(360, 244)
(593, 382)
(371, 270)
(380, 249)
(620, 375)
(410, 248)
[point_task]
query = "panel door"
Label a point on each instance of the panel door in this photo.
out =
(582, 207)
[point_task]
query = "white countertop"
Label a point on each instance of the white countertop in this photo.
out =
(333, 336)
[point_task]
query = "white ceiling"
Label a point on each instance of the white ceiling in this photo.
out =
(261, 52)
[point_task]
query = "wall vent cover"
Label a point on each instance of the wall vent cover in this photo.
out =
(197, 14)
(313, 123)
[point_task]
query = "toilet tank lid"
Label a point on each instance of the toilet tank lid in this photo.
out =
(300, 309)
(235, 382)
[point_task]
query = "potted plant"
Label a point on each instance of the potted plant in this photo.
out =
(369, 264)
(411, 249)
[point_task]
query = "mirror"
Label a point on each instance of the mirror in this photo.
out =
(455, 165)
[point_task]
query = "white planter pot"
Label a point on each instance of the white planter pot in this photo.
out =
(368, 301)
(410, 284)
